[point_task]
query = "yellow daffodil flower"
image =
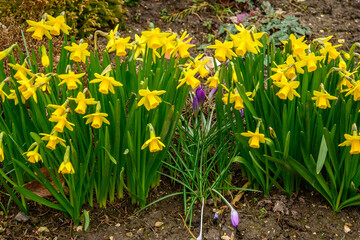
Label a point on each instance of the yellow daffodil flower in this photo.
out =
(13, 96)
(39, 28)
(331, 50)
(53, 140)
(78, 52)
(287, 90)
(236, 98)
(107, 83)
(342, 63)
(292, 67)
(140, 46)
(245, 41)
(154, 142)
(183, 45)
(66, 167)
(59, 109)
(27, 88)
(21, 71)
(61, 123)
(97, 118)
(353, 141)
(189, 78)
(310, 61)
(155, 38)
(3, 94)
(6, 52)
(112, 37)
(57, 24)
(354, 90)
(322, 99)
(150, 98)
(169, 43)
(198, 63)
(120, 45)
(71, 79)
(223, 50)
(44, 81)
(298, 45)
(213, 81)
(33, 156)
(279, 76)
(255, 138)
(82, 102)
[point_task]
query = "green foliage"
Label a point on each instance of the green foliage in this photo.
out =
(83, 16)
(280, 28)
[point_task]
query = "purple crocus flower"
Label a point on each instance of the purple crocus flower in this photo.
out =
(213, 92)
(242, 17)
(200, 94)
(196, 104)
(242, 113)
(234, 217)
(216, 215)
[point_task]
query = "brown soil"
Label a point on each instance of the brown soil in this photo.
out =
(302, 216)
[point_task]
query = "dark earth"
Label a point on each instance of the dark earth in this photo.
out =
(305, 215)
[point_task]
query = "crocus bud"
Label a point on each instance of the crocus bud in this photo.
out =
(242, 113)
(195, 104)
(200, 94)
(213, 92)
(216, 215)
(234, 217)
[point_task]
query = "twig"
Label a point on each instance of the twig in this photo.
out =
(187, 227)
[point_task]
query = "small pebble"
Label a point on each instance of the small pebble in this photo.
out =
(129, 234)
(158, 224)
(43, 229)
(21, 217)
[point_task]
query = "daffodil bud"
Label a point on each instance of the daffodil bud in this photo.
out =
(6, 52)
(272, 132)
(44, 57)
(2, 157)
(354, 129)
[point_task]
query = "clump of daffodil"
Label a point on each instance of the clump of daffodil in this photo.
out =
(352, 140)
(44, 57)
(66, 167)
(71, 79)
(33, 156)
(97, 119)
(255, 138)
(107, 83)
(154, 142)
(287, 89)
(149, 98)
(53, 140)
(298, 45)
(213, 81)
(40, 29)
(6, 52)
(154, 38)
(246, 41)
(223, 50)
(322, 98)
(82, 102)
(61, 123)
(234, 97)
(196, 62)
(21, 70)
(78, 52)
(2, 156)
(57, 24)
(189, 78)
(182, 46)
(59, 109)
